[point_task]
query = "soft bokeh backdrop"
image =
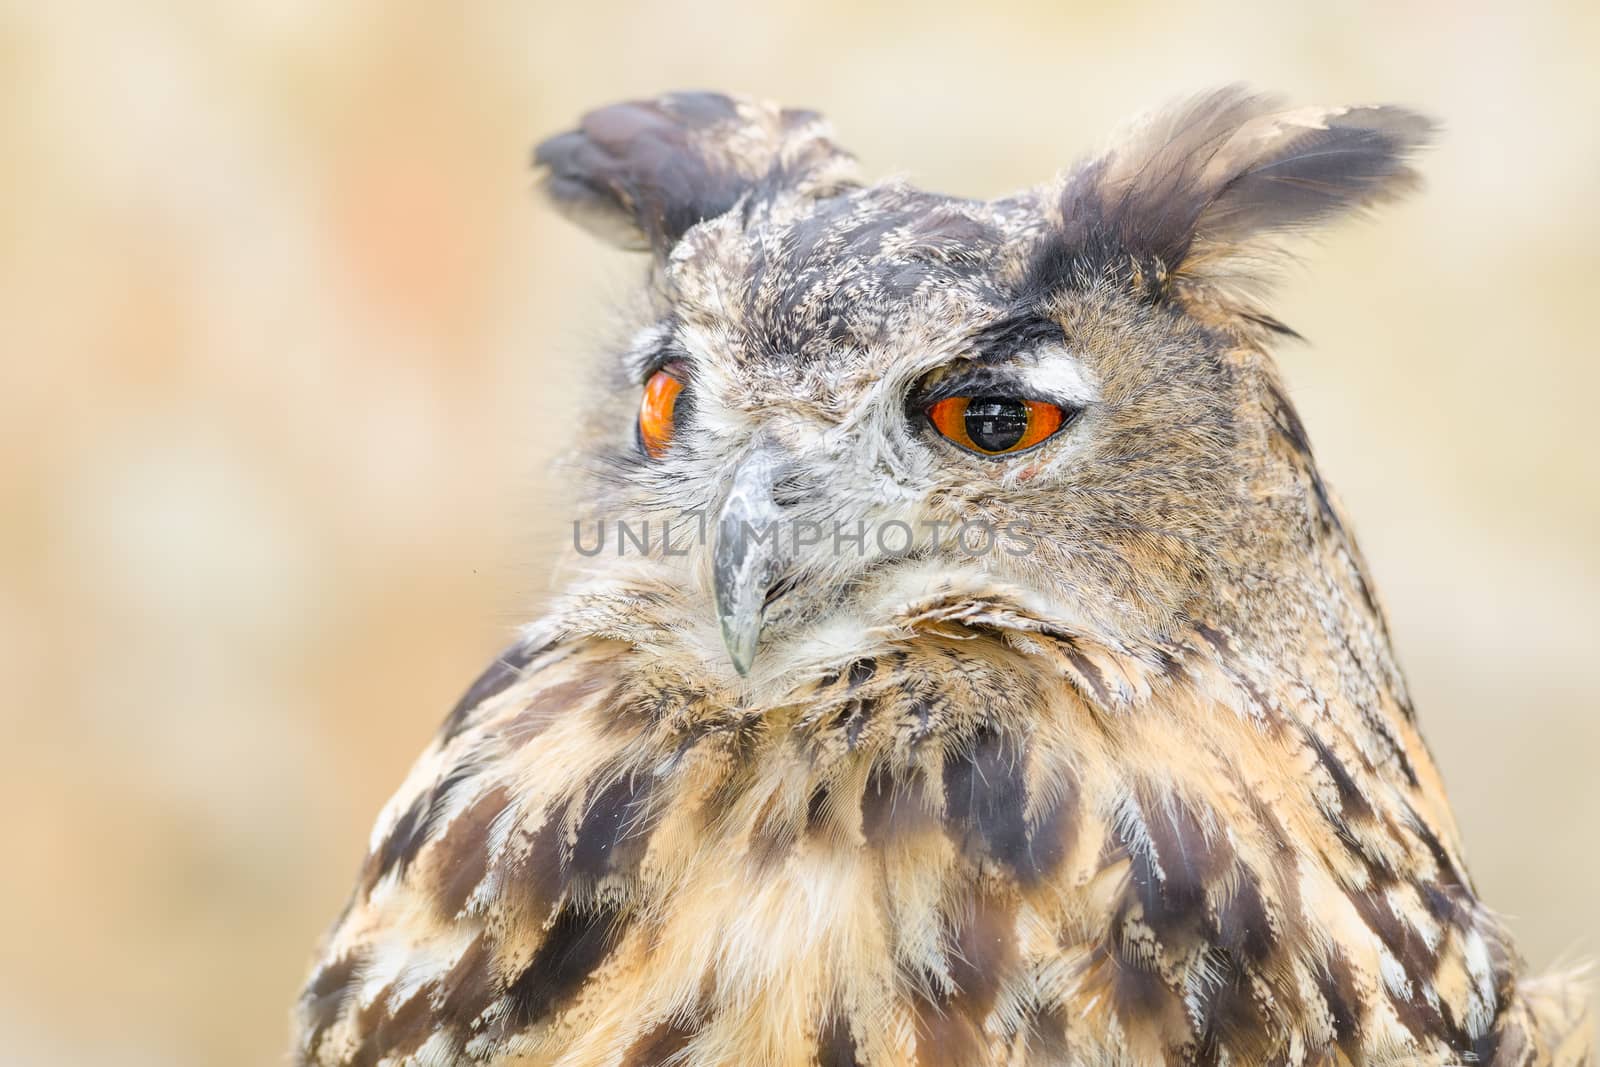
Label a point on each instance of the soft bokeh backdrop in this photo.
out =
(286, 347)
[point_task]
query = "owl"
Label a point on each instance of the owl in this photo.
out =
(962, 661)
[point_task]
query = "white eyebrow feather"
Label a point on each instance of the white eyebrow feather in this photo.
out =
(1058, 374)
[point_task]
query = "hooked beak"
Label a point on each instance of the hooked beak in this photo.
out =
(746, 560)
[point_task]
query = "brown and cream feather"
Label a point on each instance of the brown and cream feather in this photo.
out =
(1151, 792)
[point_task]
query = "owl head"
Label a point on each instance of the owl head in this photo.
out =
(844, 398)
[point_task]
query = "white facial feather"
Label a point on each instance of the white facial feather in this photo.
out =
(1059, 374)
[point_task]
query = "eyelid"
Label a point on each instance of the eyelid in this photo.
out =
(972, 381)
(669, 362)
(991, 382)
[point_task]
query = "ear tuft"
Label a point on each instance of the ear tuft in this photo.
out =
(640, 174)
(1301, 168)
(1228, 172)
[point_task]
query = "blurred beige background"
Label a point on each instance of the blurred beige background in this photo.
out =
(286, 347)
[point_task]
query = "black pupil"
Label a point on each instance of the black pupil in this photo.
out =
(995, 423)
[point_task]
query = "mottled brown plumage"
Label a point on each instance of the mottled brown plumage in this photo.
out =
(1141, 785)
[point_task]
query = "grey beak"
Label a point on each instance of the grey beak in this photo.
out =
(747, 557)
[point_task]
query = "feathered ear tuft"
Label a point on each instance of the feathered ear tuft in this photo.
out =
(1225, 174)
(640, 174)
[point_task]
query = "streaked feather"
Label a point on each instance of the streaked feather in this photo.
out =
(1152, 792)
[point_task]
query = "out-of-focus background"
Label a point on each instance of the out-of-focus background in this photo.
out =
(286, 347)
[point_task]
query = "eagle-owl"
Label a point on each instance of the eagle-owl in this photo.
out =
(964, 662)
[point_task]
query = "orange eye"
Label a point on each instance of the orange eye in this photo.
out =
(995, 425)
(655, 412)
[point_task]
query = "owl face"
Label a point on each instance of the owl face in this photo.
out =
(847, 396)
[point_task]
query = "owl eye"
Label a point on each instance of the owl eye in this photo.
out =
(996, 425)
(656, 411)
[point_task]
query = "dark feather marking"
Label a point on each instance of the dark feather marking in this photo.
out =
(772, 834)
(985, 799)
(1225, 654)
(951, 236)
(836, 1046)
(921, 712)
(1404, 943)
(1054, 833)
(861, 671)
(1287, 421)
(1345, 1005)
(555, 700)
(1271, 324)
(985, 954)
(946, 1040)
(893, 807)
(1018, 332)
(1401, 758)
(1504, 965)
(1170, 661)
(402, 844)
(1450, 905)
(506, 668)
(418, 824)
(325, 995)
(1047, 1038)
(1448, 874)
(1486, 1047)
(1353, 809)
(1422, 1018)
(464, 851)
(858, 722)
(534, 880)
(615, 829)
(1191, 856)
(1170, 878)
(439, 796)
(1455, 1033)
(1232, 1018)
(1080, 251)
(576, 943)
(982, 954)
(853, 718)
(397, 1033)
(1142, 999)
(469, 988)
(816, 809)
(820, 287)
(1283, 856)
(1352, 802)
(662, 1044)
(1243, 927)
(1091, 674)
